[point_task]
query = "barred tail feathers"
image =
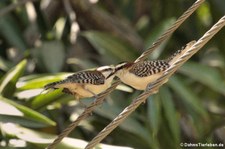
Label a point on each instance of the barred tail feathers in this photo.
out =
(54, 85)
(177, 54)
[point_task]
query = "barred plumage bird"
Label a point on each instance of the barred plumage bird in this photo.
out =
(85, 83)
(139, 75)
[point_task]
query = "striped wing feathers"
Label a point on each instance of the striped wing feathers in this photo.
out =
(83, 77)
(89, 77)
(147, 68)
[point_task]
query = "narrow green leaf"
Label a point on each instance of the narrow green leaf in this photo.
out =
(8, 82)
(23, 121)
(50, 56)
(113, 48)
(41, 140)
(29, 113)
(154, 113)
(10, 31)
(28, 94)
(189, 98)
(170, 113)
(124, 88)
(206, 75)
(4, 64)
(130, 124)
(8, 109)
(39, 81)
(45, 99)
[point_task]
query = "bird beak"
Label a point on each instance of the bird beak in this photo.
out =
(111, 74)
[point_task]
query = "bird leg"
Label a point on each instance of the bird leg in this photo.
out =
(94, 95)
(78, 97)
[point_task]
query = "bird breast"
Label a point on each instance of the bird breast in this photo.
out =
(86, 90)
(96, 89)
(139, 83)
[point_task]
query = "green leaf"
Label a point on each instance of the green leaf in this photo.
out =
(29, 113)
(189, 98)
(204, 14)
(154, 113)
(10, 30)
(208, 76)
(23, 121)
(39, 81)
(124, 88)
(41, 140)
(4, 65)
(43, 100)
(9, 113)
(28, 94)
(112, 48)
(8, 82)
(9, 109)
(50, 56)
(170, 113)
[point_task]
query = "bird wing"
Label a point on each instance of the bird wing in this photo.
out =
(147, 68)
(89, 77)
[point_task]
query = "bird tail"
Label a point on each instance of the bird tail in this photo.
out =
(53, 85)
(177, 54)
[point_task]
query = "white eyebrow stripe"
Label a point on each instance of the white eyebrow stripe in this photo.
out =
(104, 68)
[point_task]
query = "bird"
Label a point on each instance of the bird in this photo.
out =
(85, 84)
(138, 75)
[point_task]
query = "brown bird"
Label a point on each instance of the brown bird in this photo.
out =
(87, 83)
(139, 75)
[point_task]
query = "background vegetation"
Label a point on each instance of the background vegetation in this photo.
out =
(43, 41)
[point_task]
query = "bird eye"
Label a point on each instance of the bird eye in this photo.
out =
(106, 69)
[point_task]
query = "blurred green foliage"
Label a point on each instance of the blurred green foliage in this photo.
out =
(42, 42)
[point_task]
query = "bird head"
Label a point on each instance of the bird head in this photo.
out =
(121, 67)
(107, 71)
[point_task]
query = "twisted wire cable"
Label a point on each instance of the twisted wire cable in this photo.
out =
(101, 97)
(153, 87)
